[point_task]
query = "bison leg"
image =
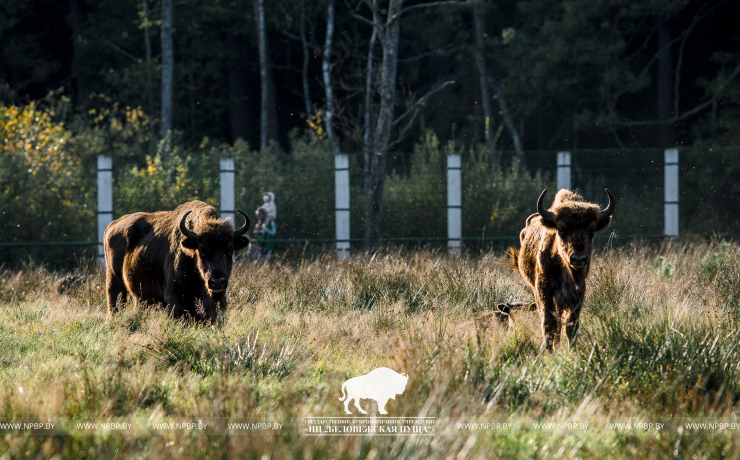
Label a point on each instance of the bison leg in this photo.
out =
(550, 330)
(346, 405)
(115, 255)
(174, 306)
(117, 293)
(571, 326)
(550, 320)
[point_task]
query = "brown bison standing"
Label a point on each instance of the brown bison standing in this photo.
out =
(555, 257)
(181, 259)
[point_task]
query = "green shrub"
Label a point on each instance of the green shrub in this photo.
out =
(167, 180)
(663, 268)
(495, 201)
(714, 262)
(45, 189)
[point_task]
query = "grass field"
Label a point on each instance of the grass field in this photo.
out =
(659, 344)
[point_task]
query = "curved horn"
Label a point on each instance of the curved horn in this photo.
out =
(244, 227)
(185, 231)
(547, 215)
(610, 207)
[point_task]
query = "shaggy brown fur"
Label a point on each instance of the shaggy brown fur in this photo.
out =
(147, 255)
(555, 257)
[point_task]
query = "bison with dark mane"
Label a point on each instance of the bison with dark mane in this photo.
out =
(555, 257)
(181, 259)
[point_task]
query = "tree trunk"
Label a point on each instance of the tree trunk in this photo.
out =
(381, 137)
(264, 85)
(328, 118)
(480, 62)
(306, 60)
(273, 127)
(665, 83)
(77, 19)
(268, 104)
(507, 118)
(239, 107)
(149, 77)
(368, 102)
(167, 68)
(191, 85)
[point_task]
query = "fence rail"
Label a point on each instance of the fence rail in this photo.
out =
(449, 197)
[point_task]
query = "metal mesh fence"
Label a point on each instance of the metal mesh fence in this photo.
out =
(496, 200)
(636, 179)
(709, 191)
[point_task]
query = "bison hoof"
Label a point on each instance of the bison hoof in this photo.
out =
(382, 412)
(348, 412)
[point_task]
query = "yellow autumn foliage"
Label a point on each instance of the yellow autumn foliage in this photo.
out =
(44, 192)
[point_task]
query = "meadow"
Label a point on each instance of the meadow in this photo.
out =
(658, 351)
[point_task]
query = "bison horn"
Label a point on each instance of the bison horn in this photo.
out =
(185, 231)
(244, 227)
(547, 215)
(610, 207)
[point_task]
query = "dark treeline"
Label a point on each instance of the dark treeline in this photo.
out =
(577, 74)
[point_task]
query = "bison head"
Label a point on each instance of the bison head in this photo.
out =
(576, 223)
(214, 250)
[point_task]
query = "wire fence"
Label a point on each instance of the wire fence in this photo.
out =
(496, 199)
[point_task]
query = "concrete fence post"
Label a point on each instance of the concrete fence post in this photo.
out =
(564, 173)
(671, 192)
(341, 204)
(454, 204)
(228, 204)
(105, 202)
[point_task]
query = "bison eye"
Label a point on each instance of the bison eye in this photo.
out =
(561, 233)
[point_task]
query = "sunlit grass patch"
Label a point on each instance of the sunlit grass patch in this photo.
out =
(650, 347)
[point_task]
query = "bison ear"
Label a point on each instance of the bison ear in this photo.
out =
(240, 242)
(189, 243)
(548, 223)
(603, 223)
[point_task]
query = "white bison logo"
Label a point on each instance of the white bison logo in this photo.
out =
(381, 385)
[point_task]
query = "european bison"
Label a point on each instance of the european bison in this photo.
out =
(181, 259)
(555, 257)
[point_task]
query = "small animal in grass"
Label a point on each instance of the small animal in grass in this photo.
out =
(69, 284)
(554, 258)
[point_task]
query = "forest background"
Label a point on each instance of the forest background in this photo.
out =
(169, 87)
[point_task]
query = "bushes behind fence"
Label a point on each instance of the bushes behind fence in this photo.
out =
(49, 190)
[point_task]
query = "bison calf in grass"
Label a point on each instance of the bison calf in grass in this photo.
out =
(181, 259)
(555, 257)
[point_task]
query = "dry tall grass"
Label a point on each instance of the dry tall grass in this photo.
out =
(659, 343)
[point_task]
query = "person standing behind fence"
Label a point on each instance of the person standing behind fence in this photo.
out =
(269, 205)
(269, 229)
